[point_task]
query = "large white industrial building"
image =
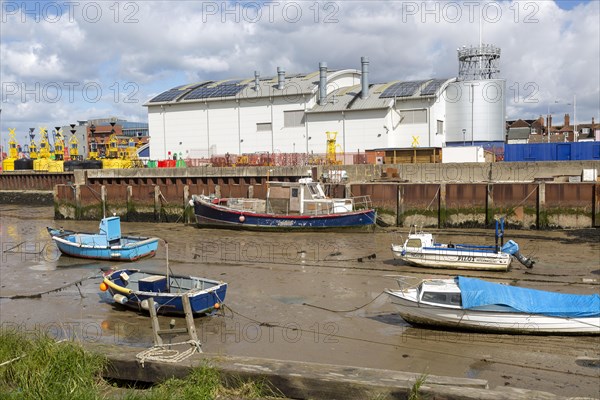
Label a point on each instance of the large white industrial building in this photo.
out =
(290, 113)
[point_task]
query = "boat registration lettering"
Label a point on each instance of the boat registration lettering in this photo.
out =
(466, 258)
(285, 223)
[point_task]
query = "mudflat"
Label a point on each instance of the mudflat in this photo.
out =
(314, 297)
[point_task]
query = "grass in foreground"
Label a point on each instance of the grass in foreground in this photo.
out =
(41, 368)
(205, 383)
(45, 369)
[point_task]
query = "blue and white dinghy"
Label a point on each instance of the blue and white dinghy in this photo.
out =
(478, 305)
(108, 244)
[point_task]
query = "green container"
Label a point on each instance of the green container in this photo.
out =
(151, 164)
(180, 164)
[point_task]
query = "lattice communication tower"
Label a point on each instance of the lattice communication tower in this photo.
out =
(478, 62)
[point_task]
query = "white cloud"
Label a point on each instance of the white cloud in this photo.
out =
(548, 53)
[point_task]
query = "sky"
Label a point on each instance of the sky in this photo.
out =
(64, 61)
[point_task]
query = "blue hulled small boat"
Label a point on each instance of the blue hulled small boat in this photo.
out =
(300, 205)
(133, 288)
(108, 244)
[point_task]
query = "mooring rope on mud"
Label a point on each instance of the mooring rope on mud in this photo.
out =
(39, 294)
(10, 250)
(344, 311)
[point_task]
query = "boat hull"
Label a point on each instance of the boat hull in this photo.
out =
(202, 301)
(454, 259)
(211, 215)
(488, 321)
(134, 249)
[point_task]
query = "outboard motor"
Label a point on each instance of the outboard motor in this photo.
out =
(528, 262)
(512, 248)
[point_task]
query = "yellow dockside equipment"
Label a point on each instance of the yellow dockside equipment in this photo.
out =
(42, 162)
(8, 164)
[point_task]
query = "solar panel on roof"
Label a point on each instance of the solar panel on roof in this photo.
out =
(223, 90)
(169, 95)
(402, 89)
(432, 87)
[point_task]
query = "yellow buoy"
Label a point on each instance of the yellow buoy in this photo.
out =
(103, 286)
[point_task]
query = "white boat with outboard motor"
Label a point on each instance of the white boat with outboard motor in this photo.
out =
(420, 249)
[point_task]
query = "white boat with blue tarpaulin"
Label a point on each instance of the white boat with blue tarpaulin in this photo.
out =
(477, 305)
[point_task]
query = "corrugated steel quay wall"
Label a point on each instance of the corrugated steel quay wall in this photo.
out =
(538, 205)
(525, 205)
(18, 180)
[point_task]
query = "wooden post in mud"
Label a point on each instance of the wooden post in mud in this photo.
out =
(103, 200)
(596, 205)
(442, 215)
(188, 209)
(78, 211)
(542, 217)
(157, 203)
(129, 204)
(489, 205)
(400, 208)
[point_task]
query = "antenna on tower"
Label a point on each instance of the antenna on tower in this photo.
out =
(480, 30)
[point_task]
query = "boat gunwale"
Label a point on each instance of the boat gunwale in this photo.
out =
(138, 241)
(193, 292)
(280, 216)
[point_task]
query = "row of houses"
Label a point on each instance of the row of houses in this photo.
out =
(537, 131)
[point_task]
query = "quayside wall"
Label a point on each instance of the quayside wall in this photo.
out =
(529, 195)
(524, 205)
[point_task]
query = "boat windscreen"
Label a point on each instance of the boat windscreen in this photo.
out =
(413, 242)
(444, 298)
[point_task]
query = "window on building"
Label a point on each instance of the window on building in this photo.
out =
(413, 116)
(293, 118)
(440, 127)
(263, 127)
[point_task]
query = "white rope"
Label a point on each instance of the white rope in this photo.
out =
(14, 359)
(164, 354)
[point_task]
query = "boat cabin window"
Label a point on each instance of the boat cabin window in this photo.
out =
(313, 189)
(294, 192)
(452, 299)
(413, 243)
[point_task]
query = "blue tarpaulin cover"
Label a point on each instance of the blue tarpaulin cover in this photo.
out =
(476, 293)
(510, 247)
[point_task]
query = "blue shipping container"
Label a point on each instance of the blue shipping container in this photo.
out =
(552, 151)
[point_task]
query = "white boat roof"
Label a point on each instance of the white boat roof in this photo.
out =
(420, 235)
(440, 285)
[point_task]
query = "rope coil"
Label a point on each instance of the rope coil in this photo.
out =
(166, 354)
